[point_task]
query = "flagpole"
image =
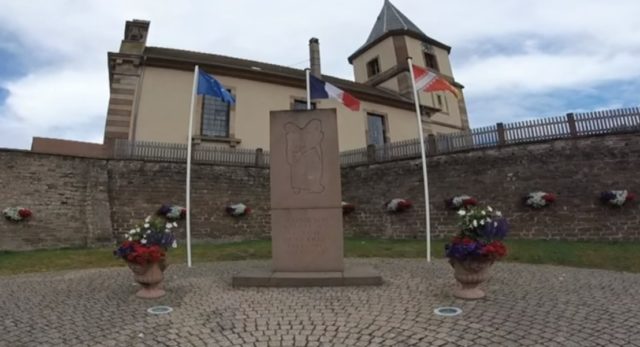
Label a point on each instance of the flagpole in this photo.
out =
(189, 147)
(424, 161)
(306, 73)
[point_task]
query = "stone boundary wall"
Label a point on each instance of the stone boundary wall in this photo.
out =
(577, 170)
(81, 202)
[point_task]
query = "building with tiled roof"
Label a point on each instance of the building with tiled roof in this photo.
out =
(150, 90)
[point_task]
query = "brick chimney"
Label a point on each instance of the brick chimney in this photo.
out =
(314, 57)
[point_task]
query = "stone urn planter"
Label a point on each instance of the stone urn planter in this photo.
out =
(150, 277)
(470, 274)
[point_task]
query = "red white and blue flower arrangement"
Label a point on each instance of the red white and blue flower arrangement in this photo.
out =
(462, 201)
(238, 210)
(472, 252)
(148, 243)
(172, 212)
(616, 197)
(539, 199)
(347, 207)
(16, 214)
(398, 205)
(480, 237)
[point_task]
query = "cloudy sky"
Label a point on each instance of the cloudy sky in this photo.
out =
(519, 59)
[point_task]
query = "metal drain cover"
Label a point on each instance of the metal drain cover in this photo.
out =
(160, 310)
(447, 311)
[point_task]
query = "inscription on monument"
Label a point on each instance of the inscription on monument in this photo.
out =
(303, 234)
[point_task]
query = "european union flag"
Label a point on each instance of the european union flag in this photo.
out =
(207, 85)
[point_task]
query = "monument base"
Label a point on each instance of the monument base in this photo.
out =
(351, 276)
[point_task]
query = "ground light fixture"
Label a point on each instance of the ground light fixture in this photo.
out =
(447, 311)
(160, 310)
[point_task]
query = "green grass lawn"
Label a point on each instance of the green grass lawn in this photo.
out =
(598, 255)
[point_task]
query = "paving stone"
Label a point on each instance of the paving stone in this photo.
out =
(525, 305)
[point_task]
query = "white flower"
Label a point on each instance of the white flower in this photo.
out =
(132, 231)
(167, 230)
(168, 225)
(488, 219)
(146, 225)
(462, 212)
(498, 213)
(146, 220)
(482, 222)
(174, 244)
(489, 209)
(143, 241)
(129, 238)
(495, 224)
(484, 213)
(175, 224)
(148, 232)
(475, 223)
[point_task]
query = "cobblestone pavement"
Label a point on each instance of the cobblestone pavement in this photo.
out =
(527, 305)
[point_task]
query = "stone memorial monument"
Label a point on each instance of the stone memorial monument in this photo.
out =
(306, 206)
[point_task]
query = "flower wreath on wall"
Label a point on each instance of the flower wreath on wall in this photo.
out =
(172, 212)
(461, 201)
(16, 214)
(616, 197)
(238, 210)
(539, 199)
(398, 205)
(347, 208)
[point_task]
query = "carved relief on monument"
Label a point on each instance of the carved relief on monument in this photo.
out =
(305, 160)
(304, 156)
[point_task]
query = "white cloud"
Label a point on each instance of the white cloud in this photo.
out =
(541, 47)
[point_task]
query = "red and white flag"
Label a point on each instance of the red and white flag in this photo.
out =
(432, 82)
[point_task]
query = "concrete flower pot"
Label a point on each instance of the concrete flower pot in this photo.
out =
(470, 274)
(150, 277)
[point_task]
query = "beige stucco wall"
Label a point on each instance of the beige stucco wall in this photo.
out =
(386, 58)
(391, 84)
(164, 109)
(451, 110)
(414, 47)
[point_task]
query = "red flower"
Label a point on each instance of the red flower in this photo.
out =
(549, 197)
(469, 202)
(467, 241)
(24, 213)
(630, 196)
(145, 254)
(495, 249)
(183, 213)
(404, 204)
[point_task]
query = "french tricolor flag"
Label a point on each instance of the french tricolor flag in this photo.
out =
(323, 90)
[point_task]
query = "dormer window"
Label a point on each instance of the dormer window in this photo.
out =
(430, 61)
(373, 67)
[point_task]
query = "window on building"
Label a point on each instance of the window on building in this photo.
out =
(373, 67)
(441, 102)
(215, 117)
(377, 132)
(299, 104)
(430, 61)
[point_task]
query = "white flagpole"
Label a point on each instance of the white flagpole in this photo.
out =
(424, 161)
(306, 72)
(189, 146)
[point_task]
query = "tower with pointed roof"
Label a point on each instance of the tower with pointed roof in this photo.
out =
(382, 62)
